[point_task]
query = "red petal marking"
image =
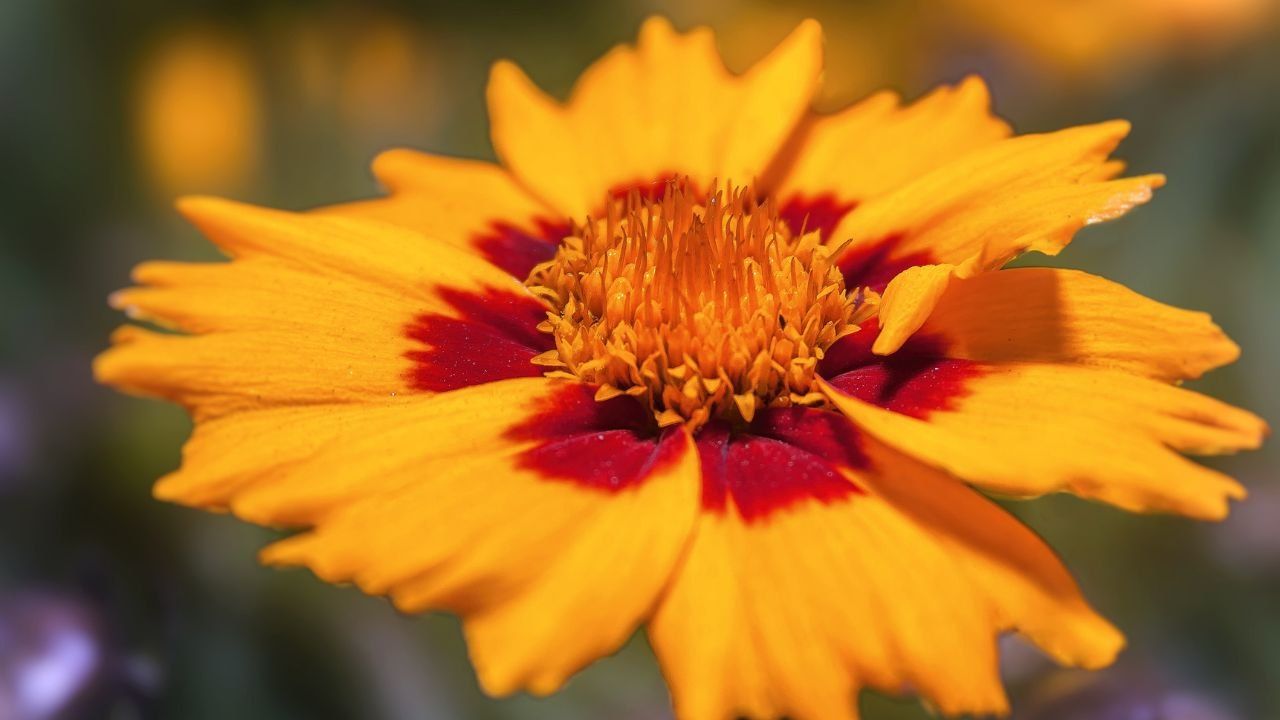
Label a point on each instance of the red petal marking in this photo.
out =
(493, 337)
(821, 212)
(868, 265)
(916, 380)
(852, 351)
(608, 446)
(871, 265)
(516, 250)
(786, 456)
(651, 190)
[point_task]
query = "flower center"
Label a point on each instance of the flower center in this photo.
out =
(703, 309)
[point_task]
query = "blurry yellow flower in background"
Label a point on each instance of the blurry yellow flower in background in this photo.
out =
(1088, 36)
(698, 358)
(199, 113)
(387, 80)
(377, 72)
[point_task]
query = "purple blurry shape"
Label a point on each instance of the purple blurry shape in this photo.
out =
(51, 655)
(1123, 696)
(1249, 540)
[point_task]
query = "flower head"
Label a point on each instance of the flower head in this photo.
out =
(703, 308)
(696, 358)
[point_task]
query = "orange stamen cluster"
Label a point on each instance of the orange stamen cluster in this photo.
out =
(703, 309)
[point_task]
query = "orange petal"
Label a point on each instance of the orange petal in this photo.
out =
(471, 204)
(228, 455)
(522, 505)
(878, 144)
(1049, 315)
(977, 212)
(907, 303)
(331, 310)
(1028, 428)
(902, 587)
(665, 107)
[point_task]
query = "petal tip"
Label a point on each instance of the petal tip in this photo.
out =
(887, 344)
(291, 552)
(492, 682)
(808, 28)
(655, 27)
(1110, 644)
(506, 75)
(193, 207)
(1118, 128)
(389, 166)
(103, 365)
(1229, 350)
(211, 214)
(118, 300)
(1086, 640)
(1218, 507)
(1237, 492)
(166, 490)
(804, 45)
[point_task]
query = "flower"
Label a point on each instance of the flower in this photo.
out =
(696, 358)
(199, 112)
(1092, 37)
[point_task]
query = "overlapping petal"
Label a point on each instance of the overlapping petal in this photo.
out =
(1026, 429)
(322, 305)
(902, 586)
(472, 204)
(977, 212)
(460, 503)
(1059, 316)
(844, 159)
(1029, 381)
(454, 501)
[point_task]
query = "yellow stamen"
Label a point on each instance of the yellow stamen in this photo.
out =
(701, 308)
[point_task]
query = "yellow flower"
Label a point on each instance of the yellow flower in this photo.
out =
(696, 358)
(199, 114)
(1091, 37)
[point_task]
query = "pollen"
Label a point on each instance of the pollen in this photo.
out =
(703, 306)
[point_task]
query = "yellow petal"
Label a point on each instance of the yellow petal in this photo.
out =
(1026, 429)
(227, 455)
(902, 587)
(471, 204)
(1029, 588)
(294, 466)
(878, 144)
(392, 258)
(665, 107)
(216, 374)
(313, 310)
(977, 212)
(907, 302)
(443, 508)
(589, 600)
(1050, 315)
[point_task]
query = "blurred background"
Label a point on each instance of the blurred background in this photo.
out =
(113, 605)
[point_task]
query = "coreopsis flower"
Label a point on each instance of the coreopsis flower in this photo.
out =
(695, 358)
